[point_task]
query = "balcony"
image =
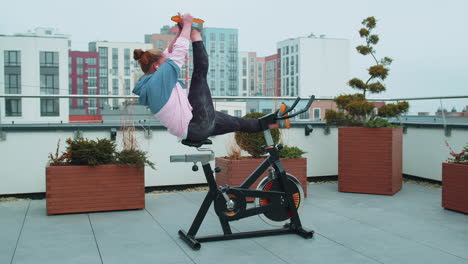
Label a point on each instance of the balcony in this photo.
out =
(409, 227)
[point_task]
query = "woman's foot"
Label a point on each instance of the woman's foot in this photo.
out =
(195, 35)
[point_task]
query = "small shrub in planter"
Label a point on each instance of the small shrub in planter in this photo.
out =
(92, 176)
(455, 181)
(366, 133)
(236, 168)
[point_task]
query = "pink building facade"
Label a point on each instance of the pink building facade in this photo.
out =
(83, 72)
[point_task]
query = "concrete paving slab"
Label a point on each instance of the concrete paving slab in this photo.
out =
(135, 233)
(12, 216)
(56, 239)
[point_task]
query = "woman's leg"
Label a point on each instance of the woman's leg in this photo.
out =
(203, 120)
(206, 121)
(225, 123)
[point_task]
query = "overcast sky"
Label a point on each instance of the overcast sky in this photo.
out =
(428, 39)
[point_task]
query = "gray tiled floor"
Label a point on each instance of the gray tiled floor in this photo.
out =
(409, 227)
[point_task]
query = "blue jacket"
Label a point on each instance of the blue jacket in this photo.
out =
(156, 88)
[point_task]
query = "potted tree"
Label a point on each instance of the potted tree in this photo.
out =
(235, 168)
(455, 181)
(369, 147)
(92, 176)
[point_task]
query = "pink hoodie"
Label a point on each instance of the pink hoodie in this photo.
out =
(177, 112)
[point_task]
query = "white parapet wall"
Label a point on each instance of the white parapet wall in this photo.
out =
(24, 154)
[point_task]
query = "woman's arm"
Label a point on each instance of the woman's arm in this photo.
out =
(171, 46)
(188, 20)
(181, 45)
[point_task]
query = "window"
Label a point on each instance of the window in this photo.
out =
(12, 58)
(244, 66)
(79, 66)
(92, 72)
(260, 88)
(252, 59)
(103, 86)
(92, 102)
(49, 107)
(49, 84)
(297, 85)
(292, 65)
(13, 107)
(221, 74)
(221, 86)
(297, 64)
(79, 86)
(70, 59)
(221, 47)
(266, 111)
(316, 113)
(224, 111)
(159, 44)
(115, 86)
(70, 86)
(212, 36)
(12, 83)
(305, 115)
(49, 59)
(237, 113)
(92, 83)
(244, 84)
(287, 66)
(115, 61)
(252, 70)
(91, 61)
(259, 72)
(221, 37)
(127, 86)
(92, 90)
(252, 84)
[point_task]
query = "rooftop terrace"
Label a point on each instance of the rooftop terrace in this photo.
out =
(409, 227)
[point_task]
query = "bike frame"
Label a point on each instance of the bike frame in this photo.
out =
(273, 160)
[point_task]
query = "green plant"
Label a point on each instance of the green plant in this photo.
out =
(253, 142)
(459, 158)
(90, 152)
(378, 122)
(133, 157)
(87, 152)
(288, 152)
(354, 109)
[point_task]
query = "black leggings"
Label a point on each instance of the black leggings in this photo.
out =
(206, 121)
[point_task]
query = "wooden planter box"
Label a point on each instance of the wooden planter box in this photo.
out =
(370, 160)
(78, 189)
(234, 172)
(455, 187)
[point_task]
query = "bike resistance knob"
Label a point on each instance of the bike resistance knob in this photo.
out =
(195, 167)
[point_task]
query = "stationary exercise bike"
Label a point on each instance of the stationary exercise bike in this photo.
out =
(278, 197)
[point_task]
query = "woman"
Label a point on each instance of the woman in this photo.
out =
(194, 117)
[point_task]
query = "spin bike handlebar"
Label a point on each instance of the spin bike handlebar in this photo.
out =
(282, 116)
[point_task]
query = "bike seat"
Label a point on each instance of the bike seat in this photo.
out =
(196, 144)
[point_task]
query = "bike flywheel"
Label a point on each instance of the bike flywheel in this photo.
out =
(283, 215)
